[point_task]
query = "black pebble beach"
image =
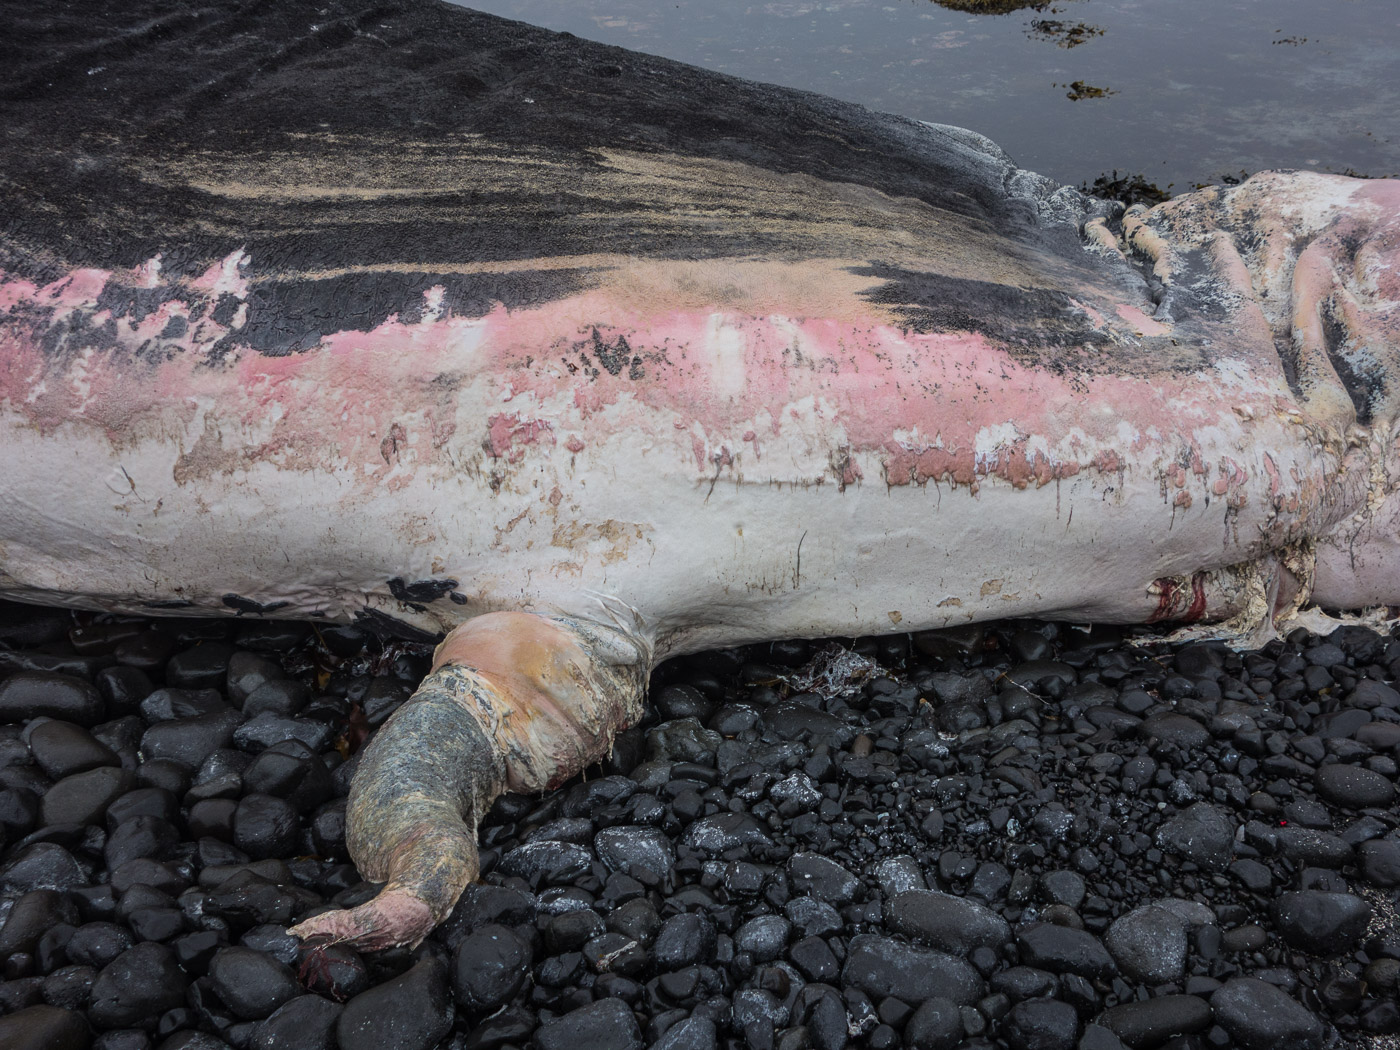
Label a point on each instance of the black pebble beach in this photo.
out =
(1025, 835)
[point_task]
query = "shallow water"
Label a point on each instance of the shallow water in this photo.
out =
(1181, 92)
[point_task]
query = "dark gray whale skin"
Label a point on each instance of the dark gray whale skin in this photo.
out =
(117, 116)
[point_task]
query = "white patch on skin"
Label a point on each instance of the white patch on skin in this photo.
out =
(463, 339)
(78, 378)
(226, 277)
(1232, 372)
(148, 273)
(796, 337)
(991, 438)
(912, 439)
(1319, 198)
(725, 345)
(432, 304)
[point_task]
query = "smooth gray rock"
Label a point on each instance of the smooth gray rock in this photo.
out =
(945, 922)
(882, 966)
(1151, 1022)
(1259, 1016)
(1202, 834)
(1149, 944)
(1320, 922)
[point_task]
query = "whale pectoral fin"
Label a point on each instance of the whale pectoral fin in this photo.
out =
(515, 701)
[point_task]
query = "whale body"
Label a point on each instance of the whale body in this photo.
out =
(414, 314)
(418, 312)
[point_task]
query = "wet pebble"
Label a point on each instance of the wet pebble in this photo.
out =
(30, 916)
(1149, 944)
(62, 749)
(1175, 730)
(307, 1022)
(882, 966)
(689, 1033)
(162, 705)
(265, 826)
(822, 878)
(1064, 887)
(190, 740)
(899, 874)
(1151, 1022)
(1061, 949)
(1308, 846)
(265, 730)
(604, 1025)
(44, 1027)
(41, 866)
(250, 983)
(247, 672)
(937, 1024)
(83, 798)
(1321, 922)
(796, 791)
(1354, 787)
(69, 987)
(725, 831)
(1202, 834)
(545, 862)
(1041, 1024)
(333, 971)
(409, 1012)
(684, 940)
(764, 937)
(98, 943)
(1259, 1016)
(1380, 861)
(489, 966)
(204, 666)
(33, 694)
(644, 853)
(290, 771)
(815, 959)
(948, 923)
(283, 699)
(134, 989)
(683, 740)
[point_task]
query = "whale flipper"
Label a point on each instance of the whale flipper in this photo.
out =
(515, 701)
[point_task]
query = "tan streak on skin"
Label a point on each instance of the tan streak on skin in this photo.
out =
(798, 216)
(818, 287)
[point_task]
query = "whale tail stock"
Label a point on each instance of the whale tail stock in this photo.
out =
(515, 701)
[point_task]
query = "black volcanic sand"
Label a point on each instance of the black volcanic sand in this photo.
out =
(1026, 836)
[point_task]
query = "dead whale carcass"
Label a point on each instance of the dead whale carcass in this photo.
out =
(425, 315)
